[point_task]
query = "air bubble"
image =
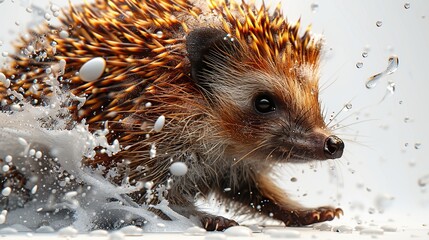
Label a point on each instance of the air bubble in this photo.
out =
(378, 23)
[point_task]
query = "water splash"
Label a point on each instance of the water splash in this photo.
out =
(392, 66)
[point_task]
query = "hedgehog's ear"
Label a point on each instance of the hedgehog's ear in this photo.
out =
(206, 48)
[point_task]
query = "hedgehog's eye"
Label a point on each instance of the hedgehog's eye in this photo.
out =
(264, 103)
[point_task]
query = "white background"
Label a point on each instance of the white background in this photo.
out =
(377, 166)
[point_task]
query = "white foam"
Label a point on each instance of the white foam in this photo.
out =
(238, 231)
(80, 196)
(195, 231)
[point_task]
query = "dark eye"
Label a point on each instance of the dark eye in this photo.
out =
(264, 104)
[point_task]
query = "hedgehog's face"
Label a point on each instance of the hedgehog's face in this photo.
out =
(262, 110)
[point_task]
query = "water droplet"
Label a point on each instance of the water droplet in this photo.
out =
(348, 106)
(6, 191)
(407, 5)
(391, 87)
(178, 169)
(406, 119)
(372, 81)
(314, 7)
(48, 16)
(365, 54)
(293, 179)
(8, 158)
(159, 123)
(379, 23)
(417, 145)
(159, 34)
(64, 34)
(393, 64)
(359, 64)
(54, 8)
(93, 69)
(423, 181)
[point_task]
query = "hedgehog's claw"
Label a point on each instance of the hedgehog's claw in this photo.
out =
(217, 223)
(339, 212)
(310, 216)
(316, 216)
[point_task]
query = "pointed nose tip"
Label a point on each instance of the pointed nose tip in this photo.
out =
(334, 147)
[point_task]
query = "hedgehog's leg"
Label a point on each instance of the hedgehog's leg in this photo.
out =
(266, 198)
(279, 206)
(208, 221)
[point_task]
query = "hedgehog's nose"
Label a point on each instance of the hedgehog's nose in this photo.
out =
(334, 147)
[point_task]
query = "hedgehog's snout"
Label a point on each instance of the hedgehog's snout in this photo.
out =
(334, 147)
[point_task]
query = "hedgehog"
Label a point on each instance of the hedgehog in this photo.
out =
(228, 89)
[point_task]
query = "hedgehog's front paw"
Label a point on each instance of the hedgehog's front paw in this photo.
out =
(309, 216)
(217, 223)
